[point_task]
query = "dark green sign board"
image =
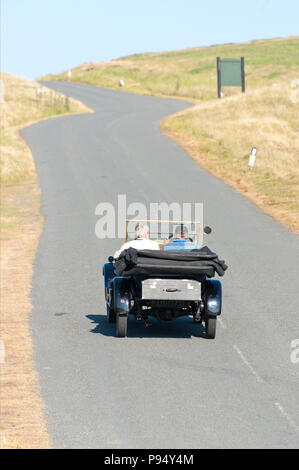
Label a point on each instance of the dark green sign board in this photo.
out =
(231, 72)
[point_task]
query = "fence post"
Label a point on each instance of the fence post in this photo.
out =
(243, 73)
(219, 76)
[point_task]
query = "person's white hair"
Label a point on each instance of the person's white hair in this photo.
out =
(141, 231)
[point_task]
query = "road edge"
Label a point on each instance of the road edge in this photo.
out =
(22, 411)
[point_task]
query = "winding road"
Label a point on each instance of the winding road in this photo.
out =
(165, 386)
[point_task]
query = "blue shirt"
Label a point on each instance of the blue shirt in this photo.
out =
(180, 245)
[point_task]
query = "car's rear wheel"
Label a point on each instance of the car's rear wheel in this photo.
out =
(111, 317)
(210, 325)
(121, 326)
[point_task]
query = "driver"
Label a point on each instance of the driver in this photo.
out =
(141, 242)
(180, 240)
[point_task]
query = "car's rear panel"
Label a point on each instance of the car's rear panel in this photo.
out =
(171, 289)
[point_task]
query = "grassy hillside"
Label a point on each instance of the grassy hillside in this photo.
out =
(22, 106)
(191, 73)
(219, 134)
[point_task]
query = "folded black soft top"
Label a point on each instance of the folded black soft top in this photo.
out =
(151, 263)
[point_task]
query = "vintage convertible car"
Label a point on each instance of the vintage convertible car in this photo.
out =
(165, 285)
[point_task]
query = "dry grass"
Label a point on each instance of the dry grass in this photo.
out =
(22, 107)
(220, 135)
(21, 409)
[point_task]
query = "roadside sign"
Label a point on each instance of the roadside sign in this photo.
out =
(230, 72)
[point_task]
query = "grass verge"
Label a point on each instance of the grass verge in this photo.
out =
(220, 135)
(21, 409)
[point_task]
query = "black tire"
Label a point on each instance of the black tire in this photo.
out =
(121, 326)
(210, 325)
(111, 317)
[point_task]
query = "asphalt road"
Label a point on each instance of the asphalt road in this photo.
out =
(165, 386)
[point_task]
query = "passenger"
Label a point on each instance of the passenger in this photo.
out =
(180, 240)
(141, 242)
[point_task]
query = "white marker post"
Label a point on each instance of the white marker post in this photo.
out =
(69, 74)
(252, 157)
(121, 83)
(2, 92)
(39, 93)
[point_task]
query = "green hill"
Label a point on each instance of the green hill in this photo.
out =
(190, 73)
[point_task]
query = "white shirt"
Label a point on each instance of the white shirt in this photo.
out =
(139, 244)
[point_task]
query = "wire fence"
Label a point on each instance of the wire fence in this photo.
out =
(52, 99)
